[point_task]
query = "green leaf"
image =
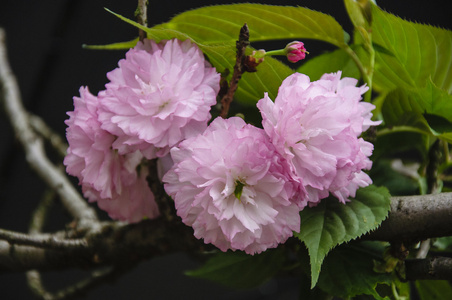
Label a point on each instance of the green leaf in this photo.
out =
(401, 109)
(355, 13)
(114, 46)
(419, 52)
(348, 271)
(398, 184)
(428, 109)
(268, 78)
(399, 142)
(332, 223)
(437, 123)
(240, 270)
(443, 243)
(435, 101)
(328, 63)
(434, 289)
(221, 23)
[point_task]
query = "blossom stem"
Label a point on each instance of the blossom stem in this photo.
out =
(239, 69)
(276, 52)
(141, 15)
(164, 202)
(366, 74)
(386, 131)
(370, 70)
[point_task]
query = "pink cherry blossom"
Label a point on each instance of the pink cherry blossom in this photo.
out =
(295, 51)
(159, 95)
(315, 126)
(106, 177)
(231, 186)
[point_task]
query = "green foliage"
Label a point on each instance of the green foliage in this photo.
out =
(332, 223)
(356, 13)
(328, 63)
(427, 109)
(221, 24)
(403, 142)
(348, 271)
(443, 243)
(434, 290)
(398, 184)
(240, 270)
(418, 53)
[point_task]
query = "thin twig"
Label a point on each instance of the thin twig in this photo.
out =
(33, 145)
(46, 132)
(239, 69)
(40, 214)
(423, 249)
(38, 219)
(96, 278)
(78, 289)
(142, 18)
(46, 241)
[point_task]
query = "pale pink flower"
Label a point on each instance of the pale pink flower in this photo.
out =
(135, 202)
(106, 176)
(295, 51)
(315, 126)
(231, 186)
(160, 95)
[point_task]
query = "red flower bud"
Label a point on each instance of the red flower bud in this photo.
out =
(295, 51)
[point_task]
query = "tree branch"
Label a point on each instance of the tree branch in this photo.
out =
(41, 241)
(32, 144)
(115, 242)
(435, 268)
(416, 218)
(411, 218)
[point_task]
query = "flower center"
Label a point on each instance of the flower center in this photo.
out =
(238, 189)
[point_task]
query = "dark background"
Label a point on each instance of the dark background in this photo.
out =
(44, 41)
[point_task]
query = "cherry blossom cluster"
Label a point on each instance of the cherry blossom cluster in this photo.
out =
(242, 188)
(159, 95)
(239, 186)
(316, 127)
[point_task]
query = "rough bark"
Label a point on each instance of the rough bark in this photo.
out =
(416, 218)
(435, 268)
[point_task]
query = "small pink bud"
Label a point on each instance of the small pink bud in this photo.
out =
(295, 51)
